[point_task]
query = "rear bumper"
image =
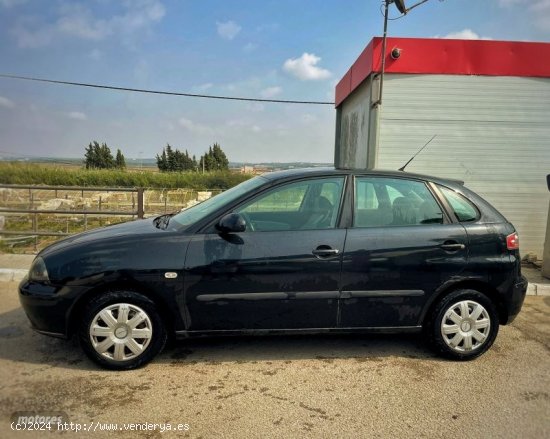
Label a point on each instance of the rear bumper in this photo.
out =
(515, 298)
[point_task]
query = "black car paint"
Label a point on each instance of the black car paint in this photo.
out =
(264, 281)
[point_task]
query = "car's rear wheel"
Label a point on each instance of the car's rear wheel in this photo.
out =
(122, 330)
(463, 325)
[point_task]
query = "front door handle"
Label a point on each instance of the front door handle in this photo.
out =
(453, 246)
(325, 250)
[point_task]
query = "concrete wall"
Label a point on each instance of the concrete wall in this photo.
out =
(352, 131)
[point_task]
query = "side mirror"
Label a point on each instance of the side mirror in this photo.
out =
(231, 223)
(548, 181)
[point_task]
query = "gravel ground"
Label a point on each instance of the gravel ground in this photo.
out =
(306, 386)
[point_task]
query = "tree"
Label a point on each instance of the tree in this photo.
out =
(220, 159)
(120, 162)
(174, 160)
(99, 156)
(214, 160)
(162, 161)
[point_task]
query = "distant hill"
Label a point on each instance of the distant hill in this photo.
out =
(152, 163)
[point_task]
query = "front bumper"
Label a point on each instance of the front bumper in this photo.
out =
(47, 307)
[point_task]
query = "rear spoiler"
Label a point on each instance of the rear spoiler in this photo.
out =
(452, 180)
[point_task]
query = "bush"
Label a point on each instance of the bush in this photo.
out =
(36, 174)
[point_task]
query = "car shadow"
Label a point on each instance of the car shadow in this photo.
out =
(19, 343)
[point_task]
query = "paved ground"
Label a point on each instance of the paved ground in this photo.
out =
(326, 386)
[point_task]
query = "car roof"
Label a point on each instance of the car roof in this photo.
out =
(322, 171)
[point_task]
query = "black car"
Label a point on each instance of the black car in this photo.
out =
(317, 250)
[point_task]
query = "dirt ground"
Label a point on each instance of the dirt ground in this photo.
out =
(292, 386)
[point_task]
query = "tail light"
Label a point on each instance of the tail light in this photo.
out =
(512, 241)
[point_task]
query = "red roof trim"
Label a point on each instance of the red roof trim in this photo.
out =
(448, 57)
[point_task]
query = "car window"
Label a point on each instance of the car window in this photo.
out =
(288, 199)
(202, 210)
(463, 209)
(303, 205)
(394, 202)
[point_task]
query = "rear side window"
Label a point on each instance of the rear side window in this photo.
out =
(381, 202)
(463, 209)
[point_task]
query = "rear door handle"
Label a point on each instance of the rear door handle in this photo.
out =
(453, 246)
(325, 250)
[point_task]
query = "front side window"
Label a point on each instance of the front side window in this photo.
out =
(463, 209)
(381, 202)
(302, 205)
(200, 211)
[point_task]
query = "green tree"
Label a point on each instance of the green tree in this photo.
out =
(214, 159)
(162, 161)
(99, 156)
(174, 160)
(120, 162)
(220, 159)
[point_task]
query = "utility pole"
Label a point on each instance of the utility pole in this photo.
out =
(374, 136)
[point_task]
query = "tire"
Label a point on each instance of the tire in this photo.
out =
(463, 325)
(121, 330)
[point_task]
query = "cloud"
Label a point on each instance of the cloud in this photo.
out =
(77, 115)
(465, 34)
(78, 21)
(539, 9)
(254, 107)
(6, 103)
(305, 67)
(193, 127)
(228, 30)
(250, 47)
(270, 92)
(10, 3)
(96, 54)
(203, 87)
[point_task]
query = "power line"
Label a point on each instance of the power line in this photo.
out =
(160, 92)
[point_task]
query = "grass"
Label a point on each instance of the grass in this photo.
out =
(29, 173)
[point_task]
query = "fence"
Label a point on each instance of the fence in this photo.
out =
(36, 212)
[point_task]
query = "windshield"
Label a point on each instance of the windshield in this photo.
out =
(193, 214)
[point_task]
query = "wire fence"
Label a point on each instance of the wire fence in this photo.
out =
(34, 216)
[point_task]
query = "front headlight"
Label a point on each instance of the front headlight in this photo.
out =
(38, 271)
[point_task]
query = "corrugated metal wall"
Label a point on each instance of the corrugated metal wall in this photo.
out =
(492, 132)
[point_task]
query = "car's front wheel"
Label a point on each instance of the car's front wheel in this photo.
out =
(122, 330)
(464, 325)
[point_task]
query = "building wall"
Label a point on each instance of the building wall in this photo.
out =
(492, 132)
(352, 132)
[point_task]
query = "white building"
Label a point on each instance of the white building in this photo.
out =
(487, 102)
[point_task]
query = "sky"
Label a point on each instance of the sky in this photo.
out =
(281, 49)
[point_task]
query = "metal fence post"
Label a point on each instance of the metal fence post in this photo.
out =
(140, 211)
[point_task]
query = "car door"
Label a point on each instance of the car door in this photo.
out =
(283, 272)
(400, 249)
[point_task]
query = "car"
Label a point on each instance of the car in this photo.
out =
(309, 250)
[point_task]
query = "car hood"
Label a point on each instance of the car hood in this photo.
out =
(137, 227)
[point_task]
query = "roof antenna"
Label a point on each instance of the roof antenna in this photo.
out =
(402, 168)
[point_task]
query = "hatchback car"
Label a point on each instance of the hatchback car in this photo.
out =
(317, 250)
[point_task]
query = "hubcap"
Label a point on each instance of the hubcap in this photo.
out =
(465, 326)
(121, 331)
